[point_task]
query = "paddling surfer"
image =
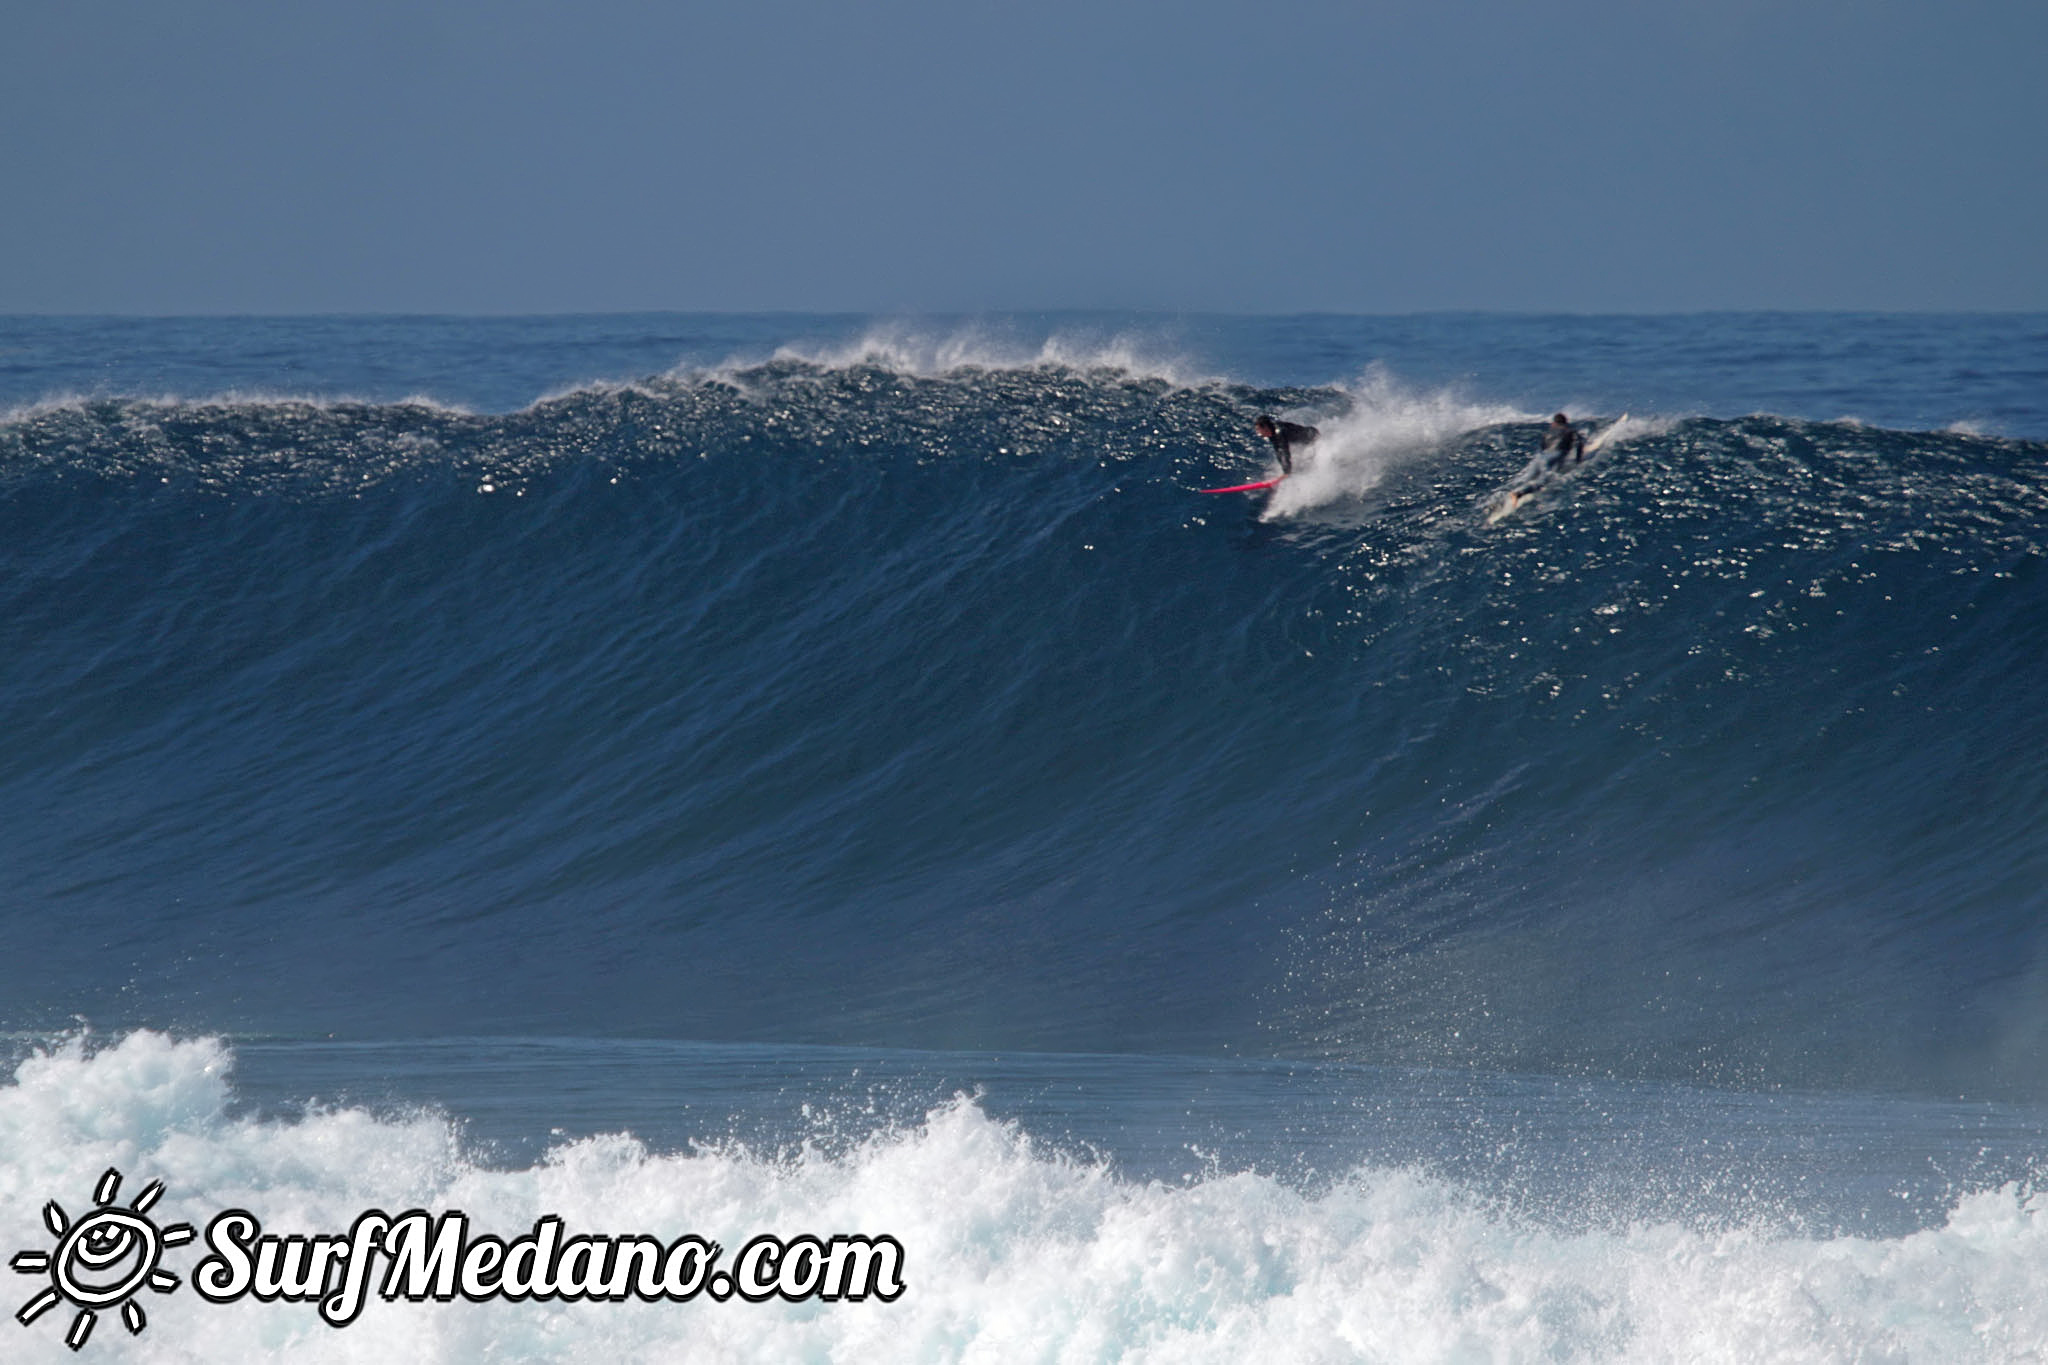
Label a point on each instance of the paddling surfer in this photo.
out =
(1287, 437)
(1562, 444)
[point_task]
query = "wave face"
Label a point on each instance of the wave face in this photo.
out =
(836, 700)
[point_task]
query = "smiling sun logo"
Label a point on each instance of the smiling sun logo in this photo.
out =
(104, 1259)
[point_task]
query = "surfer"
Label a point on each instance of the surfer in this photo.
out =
(1287, 437)
(1562, 444)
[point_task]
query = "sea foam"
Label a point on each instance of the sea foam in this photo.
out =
(1013, 1250)
(1381, 424)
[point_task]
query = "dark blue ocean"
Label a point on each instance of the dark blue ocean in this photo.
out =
(737, 774)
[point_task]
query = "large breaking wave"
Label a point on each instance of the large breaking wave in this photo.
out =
(898, 699)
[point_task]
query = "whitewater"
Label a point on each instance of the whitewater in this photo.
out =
(808, 776)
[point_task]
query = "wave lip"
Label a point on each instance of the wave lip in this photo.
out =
(226, 401)
(909, 350)
(1378, 425)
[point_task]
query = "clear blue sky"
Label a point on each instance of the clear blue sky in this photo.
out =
(1286, 155)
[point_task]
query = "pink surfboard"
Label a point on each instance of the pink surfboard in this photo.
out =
(1242, 487)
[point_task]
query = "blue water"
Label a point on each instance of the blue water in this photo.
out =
(778, 771)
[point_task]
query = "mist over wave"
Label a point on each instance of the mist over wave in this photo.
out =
(917, 699)
(908, 349)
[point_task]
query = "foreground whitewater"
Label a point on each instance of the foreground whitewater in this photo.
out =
(1013, 1250)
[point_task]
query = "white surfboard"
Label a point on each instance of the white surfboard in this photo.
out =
(1605, 432)
(1533, 480)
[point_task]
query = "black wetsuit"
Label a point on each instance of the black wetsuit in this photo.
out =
(1287, 437)
(1562, 445)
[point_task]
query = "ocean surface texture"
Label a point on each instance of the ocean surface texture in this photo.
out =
(738, 775)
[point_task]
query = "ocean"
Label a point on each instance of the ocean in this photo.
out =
(729, 777)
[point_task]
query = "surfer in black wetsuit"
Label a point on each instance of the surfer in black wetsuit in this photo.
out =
(1563, 446)
(1287, 437)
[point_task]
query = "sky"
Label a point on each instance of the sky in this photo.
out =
(903, 156)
